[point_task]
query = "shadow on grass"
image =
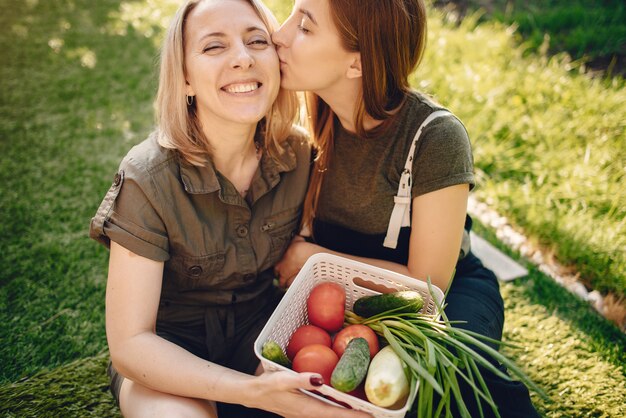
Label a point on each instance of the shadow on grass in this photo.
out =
(590, 32)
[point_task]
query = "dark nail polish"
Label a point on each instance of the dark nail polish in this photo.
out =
(317, 380)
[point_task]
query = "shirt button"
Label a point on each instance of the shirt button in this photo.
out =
(195, 271)
(242, 231)
(248, 277)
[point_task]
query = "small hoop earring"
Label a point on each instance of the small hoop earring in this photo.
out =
(189, 100)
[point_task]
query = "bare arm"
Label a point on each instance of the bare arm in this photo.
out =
(437, 222)
(132, 298)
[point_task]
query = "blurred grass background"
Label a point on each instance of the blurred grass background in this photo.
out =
(549, 142)
(77, 80)
(590, 31)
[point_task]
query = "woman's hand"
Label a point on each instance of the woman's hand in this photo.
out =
(278, 392)
(294, 258)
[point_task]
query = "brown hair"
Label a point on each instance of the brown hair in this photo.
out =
(178, 124)
(390, 35)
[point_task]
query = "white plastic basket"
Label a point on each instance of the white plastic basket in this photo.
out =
(359, 280)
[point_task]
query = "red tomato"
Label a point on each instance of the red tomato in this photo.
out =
(344, 336)
(316, 358)
(326, 306)
(306, 335)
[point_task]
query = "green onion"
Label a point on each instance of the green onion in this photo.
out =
(438, 355)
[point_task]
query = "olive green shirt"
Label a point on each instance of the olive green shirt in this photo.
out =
(218, 247)
(357, 196)
(366, 172)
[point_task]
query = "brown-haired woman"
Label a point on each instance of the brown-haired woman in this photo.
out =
(393, 169)
(196, 218)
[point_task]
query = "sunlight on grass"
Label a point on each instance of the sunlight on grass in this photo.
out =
(549, 144)
(86, 56)
(148, 18)
(559, 358)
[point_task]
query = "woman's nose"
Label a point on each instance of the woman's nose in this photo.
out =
(278, 37)
(242, 58)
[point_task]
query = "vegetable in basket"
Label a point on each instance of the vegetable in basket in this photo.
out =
(307, 335)
(403, 301)
(316, 358)
(272, 351)
(325, 306)
(438, 355)
(343, 338)
(352, 366)
(387, 383)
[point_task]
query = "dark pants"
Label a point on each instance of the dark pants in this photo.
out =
(474, 297)
(221, 334)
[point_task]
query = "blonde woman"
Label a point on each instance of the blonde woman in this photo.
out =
(196, 218)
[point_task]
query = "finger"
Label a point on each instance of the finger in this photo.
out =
(308, 381)
(283, 282)
(288, 381)
(290, 280)
(313, 381)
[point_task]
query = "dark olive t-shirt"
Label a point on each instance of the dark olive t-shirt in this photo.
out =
(356, 198)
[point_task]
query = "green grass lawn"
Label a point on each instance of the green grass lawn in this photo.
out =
(549, 144)
(595, 28)
(75, 97)
(590, 30)
(77, 79)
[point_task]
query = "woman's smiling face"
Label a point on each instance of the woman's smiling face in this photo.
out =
(312, 57)
(231, 66)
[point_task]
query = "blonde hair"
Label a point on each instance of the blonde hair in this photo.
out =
(391, 37)
(179, 127)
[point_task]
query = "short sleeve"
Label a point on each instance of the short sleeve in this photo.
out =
(129, 214)
(443, 157)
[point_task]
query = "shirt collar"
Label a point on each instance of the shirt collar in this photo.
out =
(198, 179)
(204, 179)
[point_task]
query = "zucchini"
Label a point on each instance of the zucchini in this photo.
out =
(387, 383)
(272, 351)
(404, 301)
(352, 366)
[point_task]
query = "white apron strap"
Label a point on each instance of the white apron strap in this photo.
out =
(401, 214)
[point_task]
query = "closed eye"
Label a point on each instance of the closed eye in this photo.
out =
(306, 17)
(261, 42)
(212, 48)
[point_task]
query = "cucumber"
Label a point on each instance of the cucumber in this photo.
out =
(352, 366)
(404, 301)
(272, 351)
